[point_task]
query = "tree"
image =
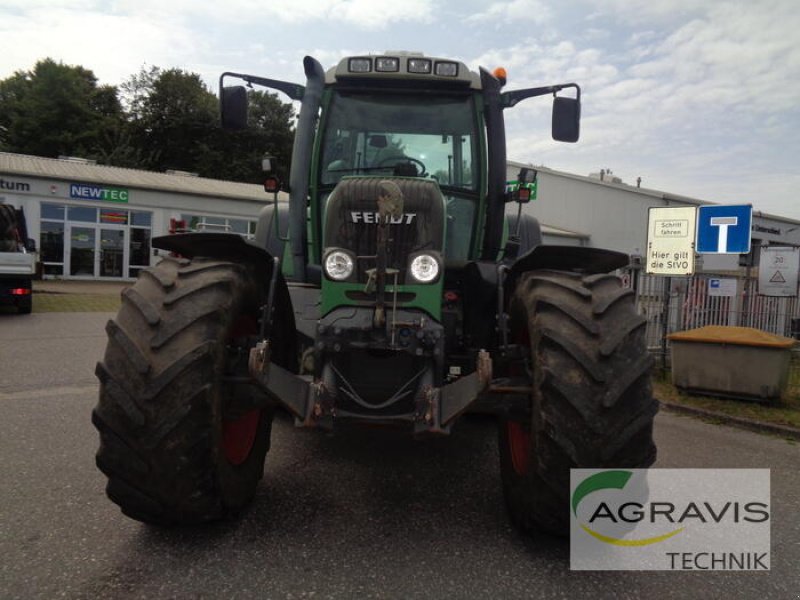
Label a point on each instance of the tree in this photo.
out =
(165, 119)
(270, 132)
(174, 115)
(136, 89)
(56, 109)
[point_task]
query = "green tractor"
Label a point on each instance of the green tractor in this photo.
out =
(392, 290)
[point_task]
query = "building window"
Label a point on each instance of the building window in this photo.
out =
(51, 246)
(114, 217)
(243, 227)
(141, 219)
(139, 250)
(238, 226)
(82, 213)
(86, 241)
(53, 211)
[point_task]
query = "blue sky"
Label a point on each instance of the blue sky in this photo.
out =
(695, 97)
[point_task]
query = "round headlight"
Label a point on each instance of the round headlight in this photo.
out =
(424, 268)
(339, 265)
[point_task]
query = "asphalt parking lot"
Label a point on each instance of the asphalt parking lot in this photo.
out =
(343, 516)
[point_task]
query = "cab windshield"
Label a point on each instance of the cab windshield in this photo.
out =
(408, 135)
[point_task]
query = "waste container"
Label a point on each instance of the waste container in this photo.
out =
(736, 362)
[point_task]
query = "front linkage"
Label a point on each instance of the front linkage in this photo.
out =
(317, 402)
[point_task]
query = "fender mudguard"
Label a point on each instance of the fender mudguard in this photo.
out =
(223, 246)
(580, 259)
(234, 248)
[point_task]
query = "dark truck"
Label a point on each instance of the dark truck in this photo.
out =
(17, 261)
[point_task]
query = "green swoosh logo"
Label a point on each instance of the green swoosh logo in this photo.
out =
(599, 481)
(611, 480)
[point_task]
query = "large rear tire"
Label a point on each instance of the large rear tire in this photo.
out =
(592, 404)
(179, 442)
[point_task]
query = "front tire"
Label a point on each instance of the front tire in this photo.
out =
(179, 442)
(592, 404)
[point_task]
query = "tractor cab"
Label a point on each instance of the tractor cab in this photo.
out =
(391, 122)
(376, 133)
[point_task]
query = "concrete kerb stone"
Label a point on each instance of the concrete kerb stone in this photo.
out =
(84, 288)
(784, 431)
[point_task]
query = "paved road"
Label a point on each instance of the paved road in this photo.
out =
(346, 516)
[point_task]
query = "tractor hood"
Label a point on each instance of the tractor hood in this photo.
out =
(354, 214)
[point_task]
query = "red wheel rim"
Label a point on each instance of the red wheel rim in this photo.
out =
(239, 435)
(519, 446)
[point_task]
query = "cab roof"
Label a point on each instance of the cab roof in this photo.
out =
(403, 66)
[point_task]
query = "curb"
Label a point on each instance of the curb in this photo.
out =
(757, 426)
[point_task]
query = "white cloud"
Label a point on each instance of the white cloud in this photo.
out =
(514, 11)
(648, 12)
(364, 14)
(10, 5)
(695, 108)
(746, 58)
(111, 46)
(531, 65)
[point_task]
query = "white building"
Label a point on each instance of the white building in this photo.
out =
(610, 214)
(97, 222)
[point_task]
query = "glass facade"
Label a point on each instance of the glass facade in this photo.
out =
(81, 241)
(110, 242)
(243, 227)
(51, 245)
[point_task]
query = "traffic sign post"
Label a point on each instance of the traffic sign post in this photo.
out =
(724, 229)
(777, 271)
(670, 240)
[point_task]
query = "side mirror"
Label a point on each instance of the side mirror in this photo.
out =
(233, 107)
(566, 119)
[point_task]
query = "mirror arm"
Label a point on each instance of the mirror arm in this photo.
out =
(514, 97)
(293, 90)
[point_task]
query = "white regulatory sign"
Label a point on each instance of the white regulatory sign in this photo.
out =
(670, 240)
(777, 271)
(722, 287)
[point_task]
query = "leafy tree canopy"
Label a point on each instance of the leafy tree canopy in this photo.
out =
(157, 120)
(56, 109)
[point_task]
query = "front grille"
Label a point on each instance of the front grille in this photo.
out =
(351, 222)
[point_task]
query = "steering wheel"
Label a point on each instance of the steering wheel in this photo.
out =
(421, 172)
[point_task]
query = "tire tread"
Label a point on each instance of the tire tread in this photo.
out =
(160, 395)
(592, 405)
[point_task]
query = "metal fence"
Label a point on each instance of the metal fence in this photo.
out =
(679, 303)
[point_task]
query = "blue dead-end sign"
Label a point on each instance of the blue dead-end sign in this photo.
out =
(724, 229)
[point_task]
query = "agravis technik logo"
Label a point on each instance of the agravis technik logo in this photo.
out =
(706, 519)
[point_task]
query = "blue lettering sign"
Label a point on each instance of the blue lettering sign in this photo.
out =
(84, 191)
